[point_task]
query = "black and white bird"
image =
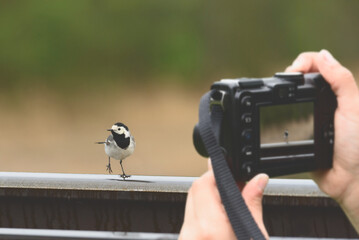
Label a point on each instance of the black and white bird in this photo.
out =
(286, 136)
(119, 145)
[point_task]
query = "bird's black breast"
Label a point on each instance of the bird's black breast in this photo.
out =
(121, 140)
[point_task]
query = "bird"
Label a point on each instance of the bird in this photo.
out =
(286, 136)
(119, 145)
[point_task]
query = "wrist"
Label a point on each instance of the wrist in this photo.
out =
(350, 204)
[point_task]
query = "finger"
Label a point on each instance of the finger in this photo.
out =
(195, 218)
(190, 218)
(340, 78)
(253, 194)
(194, 203)
(206, 198)
(254, 189)
(305, 63)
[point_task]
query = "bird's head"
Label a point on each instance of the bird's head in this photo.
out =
(120, 129)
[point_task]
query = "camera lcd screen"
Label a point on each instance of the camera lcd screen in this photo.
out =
(284, 128)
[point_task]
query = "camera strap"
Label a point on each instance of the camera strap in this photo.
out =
(238, 213)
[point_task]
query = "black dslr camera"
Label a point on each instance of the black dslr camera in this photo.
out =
(279, 125)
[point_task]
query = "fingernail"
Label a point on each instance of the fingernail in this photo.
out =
(328, 57)
(262, 181)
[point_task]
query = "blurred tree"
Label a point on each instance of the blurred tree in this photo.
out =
(69, 43)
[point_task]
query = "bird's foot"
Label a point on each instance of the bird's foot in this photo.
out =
(109, 169)
(124, 176)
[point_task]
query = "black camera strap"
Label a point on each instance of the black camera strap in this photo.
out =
(238, 213)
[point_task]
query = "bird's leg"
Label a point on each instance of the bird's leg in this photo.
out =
(286, 136)
(124, 176)
(109, 166)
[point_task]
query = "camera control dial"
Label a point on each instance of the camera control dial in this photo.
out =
(294, 77)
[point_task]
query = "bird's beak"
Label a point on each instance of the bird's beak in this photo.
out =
(109, 129)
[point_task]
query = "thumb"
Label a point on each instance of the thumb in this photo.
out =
(253, 194)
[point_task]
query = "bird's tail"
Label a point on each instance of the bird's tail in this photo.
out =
(100, 142)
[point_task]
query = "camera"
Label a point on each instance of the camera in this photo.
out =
(278, 125)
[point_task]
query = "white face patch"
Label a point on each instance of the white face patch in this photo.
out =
(120, 130)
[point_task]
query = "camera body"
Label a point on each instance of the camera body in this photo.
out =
(279, 125)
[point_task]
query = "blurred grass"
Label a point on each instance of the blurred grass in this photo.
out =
(68, 44)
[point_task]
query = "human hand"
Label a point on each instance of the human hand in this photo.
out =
(342, 181)
(205, 216)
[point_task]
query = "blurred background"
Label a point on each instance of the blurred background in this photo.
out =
(70, 69)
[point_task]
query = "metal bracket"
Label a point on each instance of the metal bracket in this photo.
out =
(217, 98)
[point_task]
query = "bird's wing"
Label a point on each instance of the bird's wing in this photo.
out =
(133, 140)
(109, 139)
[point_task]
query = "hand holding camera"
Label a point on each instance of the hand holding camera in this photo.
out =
(340, 182)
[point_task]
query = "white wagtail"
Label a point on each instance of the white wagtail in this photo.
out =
(286, 136)
(119, 145)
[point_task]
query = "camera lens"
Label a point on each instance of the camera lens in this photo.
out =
(198, 143)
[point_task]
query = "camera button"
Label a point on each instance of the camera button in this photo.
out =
(294, 77)
(247, 135)
(247, 168)
(247, 102)
(247, 151)
(247, 118)
(328, 133)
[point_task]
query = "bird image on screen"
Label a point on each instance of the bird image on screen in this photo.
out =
(286, 135)
(286, 124)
